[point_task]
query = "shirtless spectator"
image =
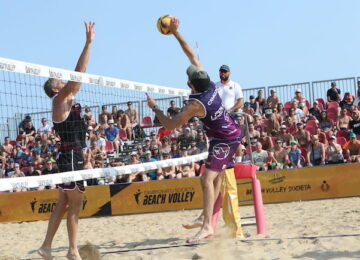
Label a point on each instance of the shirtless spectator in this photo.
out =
(45, 128)
(284, 136)
(247, 109)
(123, 123)
(167, 172)
(298, 111)
(154, 140)
(133, 115)
(354, 124)
(114, 113)
(315, 152)
(37, 160)
(294, 155)
(302, 135)
(136, 176)
(104, 116)
(258, 123)
(279, 156)
(260, 157)
(185, 170)
(88, 115)
(260, 100)
(343, 120)
(165, 145)
(97, 154)
(322, 136)
(99, 141)
(193, 150)
(140, 150)
(17, 173)
(334, 152)
(273, 126)
(272, 100)
(266, 141)
(352, 149)
(7, 147)
(173, 110)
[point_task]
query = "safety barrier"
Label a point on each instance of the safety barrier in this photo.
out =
(132, 198)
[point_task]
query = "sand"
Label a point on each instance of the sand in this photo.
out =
(321, 229)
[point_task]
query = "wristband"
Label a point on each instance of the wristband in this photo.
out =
(155, 107)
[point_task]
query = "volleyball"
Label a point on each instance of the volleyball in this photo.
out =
(163, 24)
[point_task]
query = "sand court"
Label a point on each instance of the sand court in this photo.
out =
(319, 229)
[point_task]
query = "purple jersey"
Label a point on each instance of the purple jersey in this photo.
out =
(217, 122)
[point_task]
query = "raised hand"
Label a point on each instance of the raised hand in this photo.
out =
(90, 33)
(174, 25)
(151, 102)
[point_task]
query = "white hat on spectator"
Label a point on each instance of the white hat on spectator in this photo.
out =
(333, 137)
(316, 102)
(148, 152)
(110, 121)
(90, 127)
(133, 153)
(298, 91)
(283, 127)
(187, 129)
(147, 138)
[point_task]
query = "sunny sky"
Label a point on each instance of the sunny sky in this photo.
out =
(264, 42)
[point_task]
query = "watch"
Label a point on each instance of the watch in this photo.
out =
(155, 107)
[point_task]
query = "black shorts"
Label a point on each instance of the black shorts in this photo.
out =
(68, 161)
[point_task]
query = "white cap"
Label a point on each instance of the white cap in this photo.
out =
(298, 90)
(133, 153)
(110, 121)
(90, 128)
(148, 152)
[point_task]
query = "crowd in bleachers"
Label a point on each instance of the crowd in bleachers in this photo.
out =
(290, 135)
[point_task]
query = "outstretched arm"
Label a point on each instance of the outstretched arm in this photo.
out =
(174, 25)
(72, 87)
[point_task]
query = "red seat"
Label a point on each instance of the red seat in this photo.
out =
(343, 133)
(287, 106)
(265, 123)
(303, 152)
(341, 140)
(146, 122)
(253, 149)
(312, 123)
(322, 102)
(202, 169)
(13, 143)
(109, 147)
(273, 140)
(122, 135)
(307, 103)
(333, 105)
(311, 129)
(321, 106)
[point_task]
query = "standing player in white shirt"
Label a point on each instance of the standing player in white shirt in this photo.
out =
(229, 91)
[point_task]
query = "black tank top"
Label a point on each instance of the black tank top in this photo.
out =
(72, 130)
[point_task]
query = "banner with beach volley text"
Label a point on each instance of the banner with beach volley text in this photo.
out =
(304, 184)
(156, 196)
(38, 205)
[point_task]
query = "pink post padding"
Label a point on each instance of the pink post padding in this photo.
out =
(217, 207)
(258, 206)
(244, 171)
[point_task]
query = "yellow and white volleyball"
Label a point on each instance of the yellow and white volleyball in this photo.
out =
(101, 182)
(163, 24)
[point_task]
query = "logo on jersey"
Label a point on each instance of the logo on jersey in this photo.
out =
(218, 113)
(221, 151)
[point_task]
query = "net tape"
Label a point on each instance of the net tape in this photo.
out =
(59, 178)
(50, 72)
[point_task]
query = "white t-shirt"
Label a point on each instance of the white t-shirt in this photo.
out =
(44, 129)
(101, 143)
(229, 93)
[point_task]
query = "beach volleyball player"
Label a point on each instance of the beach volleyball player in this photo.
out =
(71, 128)
(223, 132)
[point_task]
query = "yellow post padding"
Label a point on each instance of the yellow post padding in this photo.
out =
(230, 205)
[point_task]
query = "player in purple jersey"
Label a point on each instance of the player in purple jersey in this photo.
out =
(223, 132)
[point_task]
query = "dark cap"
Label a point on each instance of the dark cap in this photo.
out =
(129, 103)
(333, 83)
(225, 67)
(195, 74)
(251, 97)
(28, 118)
(103, 106)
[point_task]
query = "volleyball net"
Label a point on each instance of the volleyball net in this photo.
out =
(22, 94)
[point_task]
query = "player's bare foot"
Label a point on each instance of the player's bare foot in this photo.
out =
(196, 224)
(73, 256)
(45, 253)
(201, 235)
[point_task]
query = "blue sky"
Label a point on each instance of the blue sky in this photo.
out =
(264, 42)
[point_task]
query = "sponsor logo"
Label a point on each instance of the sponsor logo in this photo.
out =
(277, 179)
(32, 70)
(48, 205)
(45, 182)
(221, 151)
(218, 113)
(167, 196)
(325, 186)
(161, 90)
(110, 83)
(55, 74)
(150, 89)
(138, 87)
(211, 100)
(86, 176)
(75, 77)
(7, 66)
(96, 81)
(19, 184)
(171, 92)
(67, 179)
(282, 189)
(124, 85)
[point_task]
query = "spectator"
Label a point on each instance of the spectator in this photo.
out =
(343, 120)
(260, 157)
(185, 170)
(37, 160)
(30, 132)
(229, 91)
(167, 172)
(281, 111)
(16, 172)
(315, 152)
(132, 114)
(23, 123)
(123, 123)
(136, 176)
(100, 141)
(32, 171)
(272, 100)
(197, 124)
(104, 124)
(173, 110)
(325, 123)
(165, 145)
(114, 114)
(352, 149)
(140, 150)
(201, 142)
(112, 135)
(299, 97)
(354, 124)
(357, 96)
(254, 104)
(174, 150)
(193, 150)
(294, 118)
(104, 116)
(97, 154)
(284, 136)
(45, 129)
(333, 94)
(154, 140)
(185, 102)
(258, 123)
(49, 169)
(301, 135)
(155, 153)
(89, 136)
(260, 100)
(248, 110)
(152, 174)
(266, 141)
(298, 111)
(334, 152)
(294, 155)
(322, 136)
(252, 132)
(185, 139)
(88, 116)
(7, 147)
(273, 125)
(279, 156)
(315, 111)
(147, 145)
(347, 102)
